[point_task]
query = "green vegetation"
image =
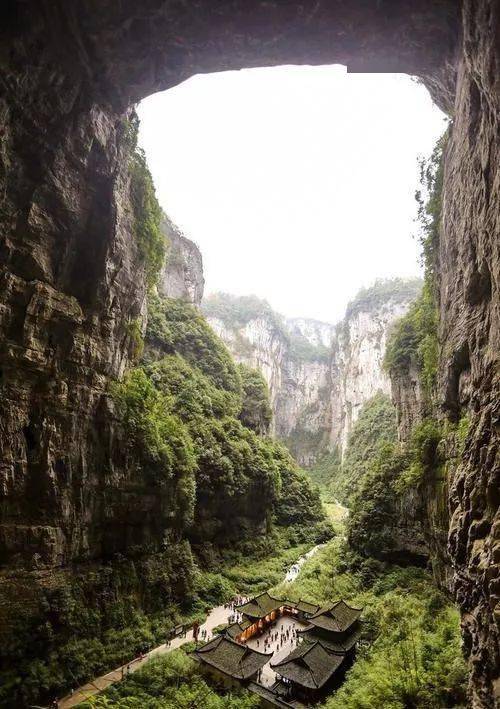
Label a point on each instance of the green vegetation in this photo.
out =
(237, 311)
(302, 350)
(147, 211)
(325, 472)
(411, 654)
(185, 414)
(414, 342)
(390, 471)
(463, 428)
(177, 327)
(262, 563)
(383, 291)
(256, 410)
(374, 511)
(171, 682)
(135, 333)
(159, 438)
(422, 455)
(375, 426)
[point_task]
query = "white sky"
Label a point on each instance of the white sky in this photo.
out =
(297, 183)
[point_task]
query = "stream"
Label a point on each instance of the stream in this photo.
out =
(294, 570)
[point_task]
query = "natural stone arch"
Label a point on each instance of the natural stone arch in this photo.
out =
(68, 263)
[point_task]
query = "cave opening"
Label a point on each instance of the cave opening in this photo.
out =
(71, 76)
(293, 174)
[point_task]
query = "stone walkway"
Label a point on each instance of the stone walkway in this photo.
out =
(280, 651)
(217, 616)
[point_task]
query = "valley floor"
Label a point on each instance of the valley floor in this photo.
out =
(250, 574)
(410, 654)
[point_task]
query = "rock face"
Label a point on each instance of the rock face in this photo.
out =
(182, 274)
(319, 375)
(71, 283)
(71, 279)
(357, 371)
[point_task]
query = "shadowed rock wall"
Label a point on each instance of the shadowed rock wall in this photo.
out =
(69, 282)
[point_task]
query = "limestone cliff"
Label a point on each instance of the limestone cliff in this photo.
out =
(182, 274)
(71, 280)
(357, 364)
(319, 374)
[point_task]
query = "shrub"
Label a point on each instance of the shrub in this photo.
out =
(148, 215)
(177, 327)
(374, 509)
(421, 455)
(326, 471)
(160, 440)
(255, 411)
(375, 426)
(413, 341)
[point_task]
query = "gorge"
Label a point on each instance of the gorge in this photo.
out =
(319, 374)
(97, 496)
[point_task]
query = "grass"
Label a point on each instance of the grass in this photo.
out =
(410, 654)
(252, 576)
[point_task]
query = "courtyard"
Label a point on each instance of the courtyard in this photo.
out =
(285, 627)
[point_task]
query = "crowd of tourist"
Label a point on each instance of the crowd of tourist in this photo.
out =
(277, 639)
(235, 616)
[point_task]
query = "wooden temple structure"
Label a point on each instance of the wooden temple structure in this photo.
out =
(328, 638)
(325, 653)
(226, 659)
(260, 613)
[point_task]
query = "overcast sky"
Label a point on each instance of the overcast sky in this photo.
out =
(297, 183)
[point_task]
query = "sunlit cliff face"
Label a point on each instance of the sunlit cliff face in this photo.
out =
(70, 268)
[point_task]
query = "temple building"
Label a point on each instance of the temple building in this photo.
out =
(231, 661)
(326, 652)
(337, 626)
(261, 612)
(307, 670)
(319, 649)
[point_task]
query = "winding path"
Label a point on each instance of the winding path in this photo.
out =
(217, 616)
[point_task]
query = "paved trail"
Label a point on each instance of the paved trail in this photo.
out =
(217, 616)
(279, 650)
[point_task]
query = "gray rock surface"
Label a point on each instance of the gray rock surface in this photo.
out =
(182, 274)
(70, 281)
(319, 375)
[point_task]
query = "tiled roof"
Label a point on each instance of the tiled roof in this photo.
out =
(311, 635)
(337, 617)
(306, 607)
(236, 629)
(310, 665)
(262, 605)
(230, 657)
